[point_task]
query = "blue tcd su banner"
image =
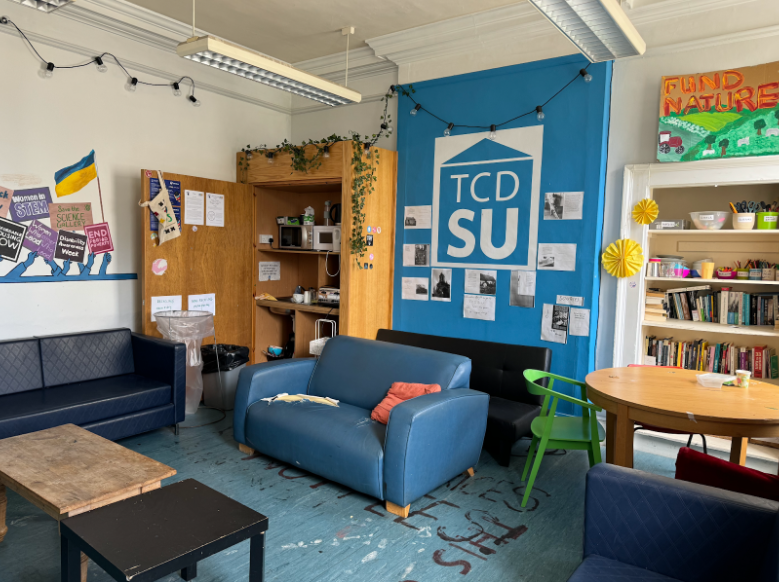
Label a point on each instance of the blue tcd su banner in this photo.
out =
(486, 197)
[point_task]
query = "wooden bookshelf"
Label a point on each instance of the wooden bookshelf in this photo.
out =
(718, 233)
(693, 282)
(706, 327)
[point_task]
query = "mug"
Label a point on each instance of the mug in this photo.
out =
(297, 298)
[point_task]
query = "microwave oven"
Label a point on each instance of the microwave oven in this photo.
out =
(298, 237)
(327, 238)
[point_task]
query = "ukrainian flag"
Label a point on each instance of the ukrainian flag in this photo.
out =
(75, 177)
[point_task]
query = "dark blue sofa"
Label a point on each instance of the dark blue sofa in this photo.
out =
(428, 440)
(647, 528)
(114, 383)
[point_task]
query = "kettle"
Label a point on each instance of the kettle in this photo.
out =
(335, 213)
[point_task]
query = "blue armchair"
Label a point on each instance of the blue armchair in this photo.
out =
(428, 440)
(644, 527)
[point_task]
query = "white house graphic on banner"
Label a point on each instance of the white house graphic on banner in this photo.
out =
(486, 197)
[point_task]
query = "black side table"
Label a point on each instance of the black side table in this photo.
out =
(154, 534)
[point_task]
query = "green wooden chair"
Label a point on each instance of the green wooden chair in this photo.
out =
(560, 432)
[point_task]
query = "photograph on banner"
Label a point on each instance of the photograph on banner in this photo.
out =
(11, 239)
(554, 323)
(563, 205)
(417, 217)
(416, 255)
(31, 204)
(414, 288)
(556, 257)
(70, 216)
(441, 285)
(270, 271)
(522, 290)
(6, 195)
(479, 307)
(41, 239)
(194, 207)
(165, 303)
(204, 302)
(215, 209)
(71, 246)
(481, 282)
(580, 322)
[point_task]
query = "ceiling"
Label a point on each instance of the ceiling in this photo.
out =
(298, 30)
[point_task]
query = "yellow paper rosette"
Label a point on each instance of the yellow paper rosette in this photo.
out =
(645, 212)
(623, 258)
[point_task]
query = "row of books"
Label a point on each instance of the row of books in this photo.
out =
(723, 358)
(700, 303)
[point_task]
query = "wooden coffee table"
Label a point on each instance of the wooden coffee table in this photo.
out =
(67, 470)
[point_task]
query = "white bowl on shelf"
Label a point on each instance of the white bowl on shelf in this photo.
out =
(709, 219)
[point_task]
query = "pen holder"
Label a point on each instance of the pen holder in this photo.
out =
(769, 274)
(725, 274)
(767, 220)
(755, 274)
(742, 274)
(744, 221)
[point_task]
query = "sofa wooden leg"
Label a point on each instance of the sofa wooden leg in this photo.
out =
(244, 449)
(397, 509)
(469, 472)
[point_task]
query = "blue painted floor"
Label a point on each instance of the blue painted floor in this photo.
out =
(472, 530)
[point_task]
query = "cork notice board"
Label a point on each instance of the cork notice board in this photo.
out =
(204, 259)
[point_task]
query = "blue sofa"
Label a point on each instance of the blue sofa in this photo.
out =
(114, 383)
(428, 440)
(647, 528)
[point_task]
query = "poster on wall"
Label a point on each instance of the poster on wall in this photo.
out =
(481, 282)
(486, 197)
(441, 285)
(720, 114)
(416, 217)
(415, 288)
(522, 290)
(11, 239)
(554, 323)
(416, 255)
(556, 257)
(563, 205)
(479, 307)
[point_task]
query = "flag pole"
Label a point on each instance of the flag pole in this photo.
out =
(99, 191)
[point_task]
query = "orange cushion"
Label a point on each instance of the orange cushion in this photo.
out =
(400, 392)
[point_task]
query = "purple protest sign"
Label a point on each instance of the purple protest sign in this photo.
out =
(41, 239)
(32, 204)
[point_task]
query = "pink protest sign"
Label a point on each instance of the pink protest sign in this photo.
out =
(99, 237)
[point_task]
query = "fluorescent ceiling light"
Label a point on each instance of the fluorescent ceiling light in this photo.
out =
(599, 28)
(264, 69)
(44, 5)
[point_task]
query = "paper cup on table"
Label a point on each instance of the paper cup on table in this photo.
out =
(707, 270)
(742, 378)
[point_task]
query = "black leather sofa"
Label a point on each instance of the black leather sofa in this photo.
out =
(497, 370)
(114, 383)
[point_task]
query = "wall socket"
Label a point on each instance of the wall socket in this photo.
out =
(265, 239)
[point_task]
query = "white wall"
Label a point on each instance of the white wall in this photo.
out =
(50, 124)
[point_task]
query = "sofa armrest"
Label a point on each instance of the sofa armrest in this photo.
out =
(676, 528)
(431, 439)
(265, 380)
(165, 361)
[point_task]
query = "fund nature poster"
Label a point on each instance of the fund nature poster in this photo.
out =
(721, 114)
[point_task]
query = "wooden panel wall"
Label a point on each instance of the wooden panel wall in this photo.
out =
(209, 260)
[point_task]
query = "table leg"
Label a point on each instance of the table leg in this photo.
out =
(257, 558)
(3, 505)
(623, 438)
(611, 431)
(189, 573)
(70, 561)
(738, 450)
(84, 566)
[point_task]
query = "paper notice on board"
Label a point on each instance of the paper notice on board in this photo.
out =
(270, 271)
(415, 288)
(416, 255)
(570, 300)
(523, 289)
(441, 285)
(417, 217)
(194, 207)
(580, 322)
(215, 209)
(479, 307)
(554, 323)
(481, 282)
(556, 257)
(165, 303)
(563, 205)
(205, 302)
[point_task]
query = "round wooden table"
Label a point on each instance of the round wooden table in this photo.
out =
(672, 398)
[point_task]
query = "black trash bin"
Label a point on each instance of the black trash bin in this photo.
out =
(222, 364)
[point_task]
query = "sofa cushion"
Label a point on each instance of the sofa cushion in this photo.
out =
(360, 372)
(400, 392)
(79, 403)
(20, 366)
(508, 420)
(599, 569)
(341, 444)
(86, 356)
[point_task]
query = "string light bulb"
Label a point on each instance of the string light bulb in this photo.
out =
(101, 66)
(270, 157)
(393, 90)
(493, 132)
(540, 113)
(367, 148)
(132, 85)
(194, 101)
(176, 89)
(326, 150)
(386, 127)
(448, 130)
(417, 107)
(586, 75)
(249, 155)
(48, 71)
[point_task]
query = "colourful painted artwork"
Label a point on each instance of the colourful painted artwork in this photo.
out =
(11, 239)
(73, 216)
(6, 195)
(723, 114)
(41, 239)
(99, 236)
(32, 204)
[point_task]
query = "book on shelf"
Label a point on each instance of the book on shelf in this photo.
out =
(703, 356)
(726, 306)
